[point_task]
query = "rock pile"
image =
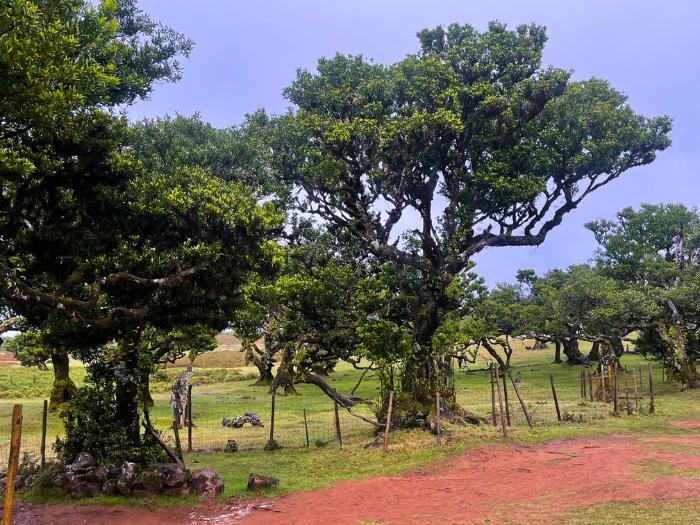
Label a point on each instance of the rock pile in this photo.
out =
(84, 478)
(239, 421)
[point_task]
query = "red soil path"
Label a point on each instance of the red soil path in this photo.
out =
(497, 483)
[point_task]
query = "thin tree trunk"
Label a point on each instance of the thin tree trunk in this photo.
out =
(127, 388)
(63, 387)
(557, 351)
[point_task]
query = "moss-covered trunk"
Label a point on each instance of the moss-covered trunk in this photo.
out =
(681, 366)
(63, 389)
(425, 372)
(127, 388)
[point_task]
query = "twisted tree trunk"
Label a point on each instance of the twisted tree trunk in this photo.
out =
(676, 338)
(572, 352)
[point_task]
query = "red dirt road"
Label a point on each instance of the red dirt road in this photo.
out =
(497, 483)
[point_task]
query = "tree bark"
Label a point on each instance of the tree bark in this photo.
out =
(285, 372)
(127, 388)
(557, 351)
(594, 354)
(572, 352)
(145, 399)
(676, 338)
(63, 387)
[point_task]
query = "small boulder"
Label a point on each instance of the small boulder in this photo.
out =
(204, 451)
(98, 475)
(19, 481)
(376, 443)
(272, 445)
(172, 474)
(149, 481)
(205, 482)
(257, 482)
(231, 446)
(126, 478)
(84, 490)
(82, 462)
(110, 487)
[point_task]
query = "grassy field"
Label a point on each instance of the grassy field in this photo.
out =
(226, 392)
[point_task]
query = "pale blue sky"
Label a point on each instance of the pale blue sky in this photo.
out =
(247, 52)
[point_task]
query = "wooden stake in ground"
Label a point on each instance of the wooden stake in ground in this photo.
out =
(306, 429)
(500, 404)
(189, 418)
(42, 448)
(583, 382)
(580, 383)
(505, 397)
(636, 394)
(554, 394)
(272, 414)
(160, 442)
(615, 393)
(437, 416)
(338, 435)
(627, 397)
(493, 396)
(520, 399)
(590, 383)
(388, 420)
(652, 408)
(178, 446)
(15, 442)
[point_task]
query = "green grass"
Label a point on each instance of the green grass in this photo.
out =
(656, 468)
(647, 511)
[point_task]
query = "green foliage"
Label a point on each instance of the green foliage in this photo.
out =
(472, 124)
(91, 425)
(649, 245)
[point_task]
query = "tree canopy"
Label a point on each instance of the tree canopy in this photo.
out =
(470, 139)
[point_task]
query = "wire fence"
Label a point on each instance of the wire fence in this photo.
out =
(589, 397)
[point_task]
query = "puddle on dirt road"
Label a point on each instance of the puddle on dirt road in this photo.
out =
(230, 513)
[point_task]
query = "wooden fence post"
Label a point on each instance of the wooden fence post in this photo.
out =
(652, 408)
(505, 398)
(388, 420)
(15, 443)
(500, 404)
(627, 396)
(338, 435)
(615, 392)
(306, 429)
(189, 418)
(554, 394)
(636, 393)
(178, 446)
(272, 414)
(590, 383)
(437, 416)
(42, 449)
(580, 383)
(493, 396)
(520, 399)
